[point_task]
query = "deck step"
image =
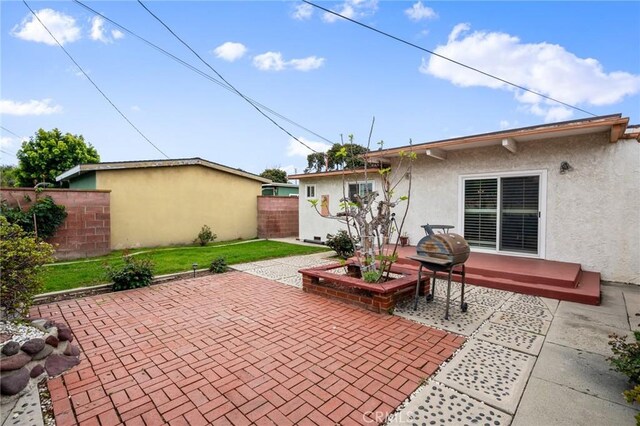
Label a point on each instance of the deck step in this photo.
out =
(587, 291)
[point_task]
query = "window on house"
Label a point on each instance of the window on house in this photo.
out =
(311, 191)
(360, 188)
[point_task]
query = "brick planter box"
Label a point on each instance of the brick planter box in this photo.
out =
(380, 298)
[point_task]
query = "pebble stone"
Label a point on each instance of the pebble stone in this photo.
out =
(45, 352)
(13, 383)
(52, 340)
(11, 348)
(14, 362)
(33, 346)
(36, 371)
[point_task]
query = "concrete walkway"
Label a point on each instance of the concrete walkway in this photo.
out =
(528, 361)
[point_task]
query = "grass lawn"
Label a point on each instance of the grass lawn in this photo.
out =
(168, 260)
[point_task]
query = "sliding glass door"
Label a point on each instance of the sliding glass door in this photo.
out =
(503, 213)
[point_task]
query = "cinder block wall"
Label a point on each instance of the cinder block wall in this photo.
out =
(87, 229)
(277, 217)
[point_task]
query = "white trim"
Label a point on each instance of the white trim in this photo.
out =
(306, 190)
(542, 208)
(69, 173)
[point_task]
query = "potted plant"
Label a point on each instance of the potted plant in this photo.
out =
(404, 239)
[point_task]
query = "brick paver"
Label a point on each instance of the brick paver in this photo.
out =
(237, 349)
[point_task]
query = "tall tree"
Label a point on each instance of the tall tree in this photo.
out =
(276, 175)
(339, 156)
(49, 153)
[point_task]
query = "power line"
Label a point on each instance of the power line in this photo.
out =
(225, 80)
(449, 59)
(9, 131)
(93, 82)
(198, 71)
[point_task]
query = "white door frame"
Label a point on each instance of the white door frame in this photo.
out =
(542, 208)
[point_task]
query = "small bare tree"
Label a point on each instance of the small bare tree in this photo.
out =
(369, 215)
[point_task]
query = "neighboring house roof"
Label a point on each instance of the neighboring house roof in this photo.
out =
(615, 124)
(334, 173)
(280, 185)
(124, 165)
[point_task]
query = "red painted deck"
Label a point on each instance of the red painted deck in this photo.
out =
(538, 277)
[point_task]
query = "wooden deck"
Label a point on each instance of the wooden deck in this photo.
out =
(538, 277)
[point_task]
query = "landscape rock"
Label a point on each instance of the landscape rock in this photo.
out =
(72, 350)
(14, 362)
(36, 371)
(45, 352)
(33, 346)
(57, 364)
(10, 348)
(13, 383)
(52, 340)
(64, 334)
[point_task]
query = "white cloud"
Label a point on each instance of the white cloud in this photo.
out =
(419, 12)
(307, 64)
(273, 61)
(543, 67)
(269, 61)
(353, 9)
(62, 26)
(230, 51)
(296, 149)
(32, 107)
(135, 108)
(504, 124)
(99, 33)
(6, 142)
(302, 12)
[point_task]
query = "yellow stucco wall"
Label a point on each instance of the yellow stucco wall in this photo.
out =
(161, 206)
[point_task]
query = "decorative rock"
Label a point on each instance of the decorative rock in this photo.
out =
(56, 364)
(72, 350)
(10, 348)
(33, 346)
(13, 383)
(52, 340)
(64, 334)
(45, 352)
(36, 371)
(14, 362)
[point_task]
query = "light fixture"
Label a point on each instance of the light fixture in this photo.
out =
(565, 167)
(194, 266)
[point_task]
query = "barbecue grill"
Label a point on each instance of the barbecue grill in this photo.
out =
(442, 252)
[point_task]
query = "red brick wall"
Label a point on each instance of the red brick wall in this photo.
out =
(277, 217)
(87, 229)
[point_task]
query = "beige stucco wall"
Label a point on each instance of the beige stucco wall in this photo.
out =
(313, 224)
(592, 212)
(168, 205)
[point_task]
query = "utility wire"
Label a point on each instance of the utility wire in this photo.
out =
(198, 71)
(225, 80)
(93, 82)
(9, 131)
(448, 59)
(7, 152)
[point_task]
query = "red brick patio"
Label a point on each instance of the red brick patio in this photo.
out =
(237, 349)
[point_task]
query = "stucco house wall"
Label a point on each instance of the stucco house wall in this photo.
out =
(159, 206)
(592, 212)
(312, 224)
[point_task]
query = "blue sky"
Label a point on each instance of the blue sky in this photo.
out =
(330, 76)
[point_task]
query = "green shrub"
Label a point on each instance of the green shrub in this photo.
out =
(49, 216)
(205, 236)
(371, 276)
(219, 265)
(136, 272)
(626, 360)
(342, 244)
(626, 356)
(20, 259)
